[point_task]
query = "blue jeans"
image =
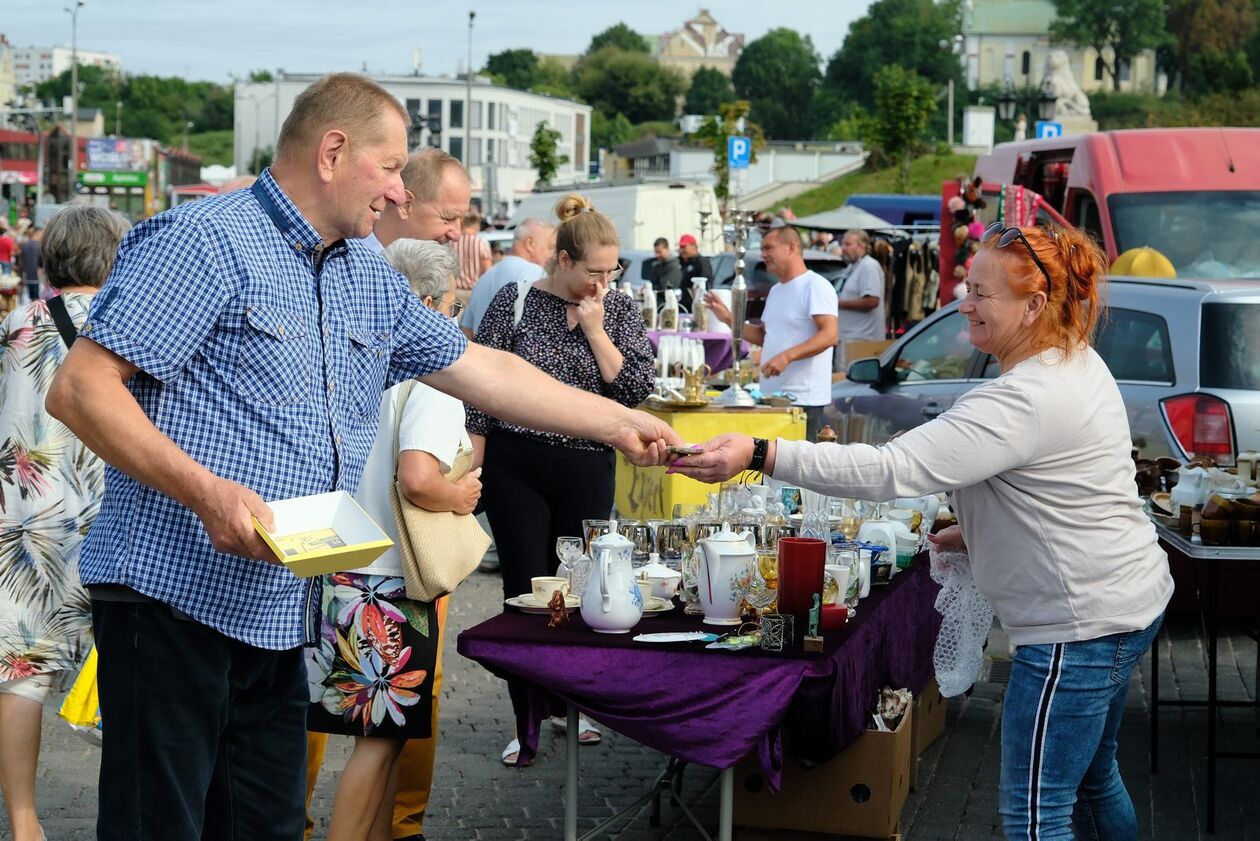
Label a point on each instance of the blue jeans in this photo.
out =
(1059, 724)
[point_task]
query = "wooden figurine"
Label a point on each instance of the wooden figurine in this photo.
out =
(559, 612)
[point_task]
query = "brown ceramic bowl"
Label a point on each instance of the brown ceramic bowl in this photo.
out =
(1220, 508)
(1247, 508)
(1214, 532)
(1247, 532)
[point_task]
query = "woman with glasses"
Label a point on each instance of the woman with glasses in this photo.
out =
(1038, 464)
(372, 675)
(573, 325)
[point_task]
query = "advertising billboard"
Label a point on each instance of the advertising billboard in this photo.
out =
(108, 154)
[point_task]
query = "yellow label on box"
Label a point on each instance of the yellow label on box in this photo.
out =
(302, 542)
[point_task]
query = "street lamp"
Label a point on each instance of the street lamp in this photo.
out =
(468, 95)
(187, 128)
(118, 118)
(1006, 102)
(73, 11)
(1046, 100)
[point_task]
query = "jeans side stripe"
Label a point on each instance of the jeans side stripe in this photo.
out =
(1039, 736)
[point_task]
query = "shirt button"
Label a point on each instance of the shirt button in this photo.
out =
(87, 328)
(338, 440)
(280, 329)
(331, 384)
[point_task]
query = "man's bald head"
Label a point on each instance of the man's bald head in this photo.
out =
(534, 240)
(425, 170)
(784, 235)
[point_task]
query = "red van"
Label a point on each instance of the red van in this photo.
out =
(1191, 193)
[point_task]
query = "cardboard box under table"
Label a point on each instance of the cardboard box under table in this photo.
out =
(858, 793)
(647, 493)
(323, 533)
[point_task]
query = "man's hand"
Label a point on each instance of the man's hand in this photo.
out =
(948, 539)
(722, 458)
(718, 307)
(468, 488)
(590, 313)
(227, 510)
(644, 438)
(777, 365)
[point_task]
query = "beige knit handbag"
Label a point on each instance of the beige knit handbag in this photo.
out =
(439, 549)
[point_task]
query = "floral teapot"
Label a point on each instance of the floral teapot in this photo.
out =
(725, 567)
(612, 603)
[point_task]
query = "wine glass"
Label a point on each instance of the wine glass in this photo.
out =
(850, 520)
(763, 584)
(567, 550)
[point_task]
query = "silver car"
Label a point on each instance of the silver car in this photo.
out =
(1186, 354)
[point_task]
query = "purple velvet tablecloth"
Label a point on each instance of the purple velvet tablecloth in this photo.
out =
(717, 347)
(715, 707)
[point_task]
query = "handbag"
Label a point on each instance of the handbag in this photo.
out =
(439, 549)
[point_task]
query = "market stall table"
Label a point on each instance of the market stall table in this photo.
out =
(1197, 551)
(712, 707)
(717, 346)
(649, 493)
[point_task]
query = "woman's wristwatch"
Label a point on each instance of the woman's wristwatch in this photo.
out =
(761, 448)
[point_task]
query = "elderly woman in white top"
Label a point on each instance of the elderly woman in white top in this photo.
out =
(372, 675)
(1038, 461)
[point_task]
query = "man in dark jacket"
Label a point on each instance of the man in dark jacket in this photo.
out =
(693, 266)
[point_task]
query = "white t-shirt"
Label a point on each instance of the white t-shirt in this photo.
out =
(789, 320)
(432, 422)
(866, 278)
(511, 269)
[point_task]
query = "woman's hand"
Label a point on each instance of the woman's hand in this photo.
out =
(948, 539)
(468, 491)
(722, 457)
(590, 313)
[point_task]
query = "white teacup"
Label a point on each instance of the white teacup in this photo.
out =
(544, 587)
(841, 576)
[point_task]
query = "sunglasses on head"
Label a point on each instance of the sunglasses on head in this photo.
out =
(1005, 236)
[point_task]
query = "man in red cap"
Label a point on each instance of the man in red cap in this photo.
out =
(693, 266)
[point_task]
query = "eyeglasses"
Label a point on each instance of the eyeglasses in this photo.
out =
(456, 307)
(610, 275)
(1008, 235)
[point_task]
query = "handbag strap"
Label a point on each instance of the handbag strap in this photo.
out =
(61, 317)
(400, 406)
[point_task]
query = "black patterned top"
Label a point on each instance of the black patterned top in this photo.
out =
(543, 339)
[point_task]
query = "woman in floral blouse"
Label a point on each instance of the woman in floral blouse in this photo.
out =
(538, 485)
(50, 489)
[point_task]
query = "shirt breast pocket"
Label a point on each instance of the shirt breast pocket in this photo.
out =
(275, 364)
(369, 363)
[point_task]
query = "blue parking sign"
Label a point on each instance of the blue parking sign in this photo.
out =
(738, 152)
(1046, 128)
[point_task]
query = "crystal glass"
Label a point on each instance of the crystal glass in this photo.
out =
(568, 549)
(763, 585)
(814, 517)
(580, 573)
(850, 520)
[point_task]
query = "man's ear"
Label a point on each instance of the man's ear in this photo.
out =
(334, 147)
(404, 210)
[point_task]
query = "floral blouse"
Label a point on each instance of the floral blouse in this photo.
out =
(50, 490)
(544, 339)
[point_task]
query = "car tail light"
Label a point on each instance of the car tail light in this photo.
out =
(1201, 425)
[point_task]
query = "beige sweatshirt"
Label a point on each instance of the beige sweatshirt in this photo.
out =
(1038, 463)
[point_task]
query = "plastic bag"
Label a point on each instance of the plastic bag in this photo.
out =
(966, 619)
(82, 706)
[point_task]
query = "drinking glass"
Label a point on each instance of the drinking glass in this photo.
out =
(567, 550)
(850, 520)
(592, 529)
(671, 543)
(763, 585)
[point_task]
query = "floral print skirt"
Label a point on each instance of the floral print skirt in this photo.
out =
(372, 672)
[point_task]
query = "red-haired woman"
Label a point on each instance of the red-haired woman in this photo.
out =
(1038, 464)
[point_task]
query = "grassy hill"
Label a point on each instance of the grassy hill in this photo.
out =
(214, 147)
(926, 175)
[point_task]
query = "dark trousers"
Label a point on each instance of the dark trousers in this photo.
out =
(535, 492)
(204, 736)
(813, 422)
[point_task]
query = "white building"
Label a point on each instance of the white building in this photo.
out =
(502, 123)
(33, 65)
(1010, 39)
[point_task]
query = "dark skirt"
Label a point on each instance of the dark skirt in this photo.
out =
(372, 672)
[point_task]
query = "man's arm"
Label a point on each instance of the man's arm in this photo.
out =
(505, 386)
(89, 395)
(866, 302)
(824, 339)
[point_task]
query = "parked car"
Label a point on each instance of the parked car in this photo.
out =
(1185, 353)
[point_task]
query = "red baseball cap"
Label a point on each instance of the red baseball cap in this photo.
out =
(686, 239)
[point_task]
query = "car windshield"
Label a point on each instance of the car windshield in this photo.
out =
(1230, 351)
(1204, 234)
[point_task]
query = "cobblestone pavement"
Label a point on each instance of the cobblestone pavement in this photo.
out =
(477, 798)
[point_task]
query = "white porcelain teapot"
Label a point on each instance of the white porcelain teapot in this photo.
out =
(612, 603)
(664, 580)
(725, 565)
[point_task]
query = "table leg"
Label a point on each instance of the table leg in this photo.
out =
(726, 809)
(1155, 702)
(571, 776)
(1211, 704)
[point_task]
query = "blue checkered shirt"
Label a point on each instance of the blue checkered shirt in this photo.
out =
(262, 355)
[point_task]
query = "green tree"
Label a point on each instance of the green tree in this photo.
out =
(1122, 28)
(904, 103)
(1208, 40)
(904, 32)
(778, 74)
(614, 80)
(554, 79)
(514, 68)
(260, 76)
(709, 89)
(620, 36)
(715, 132)
(542, 153)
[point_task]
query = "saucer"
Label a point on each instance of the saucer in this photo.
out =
(526, 603)
(656, 606)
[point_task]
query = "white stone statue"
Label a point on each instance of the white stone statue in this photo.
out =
(1070, 100)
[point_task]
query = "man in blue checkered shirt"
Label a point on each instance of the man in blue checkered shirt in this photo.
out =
(238, 353)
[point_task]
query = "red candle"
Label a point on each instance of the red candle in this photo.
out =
(834, 616)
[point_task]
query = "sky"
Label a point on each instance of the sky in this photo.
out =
(217, 40)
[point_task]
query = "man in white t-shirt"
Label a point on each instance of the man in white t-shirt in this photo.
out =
(533, 246)
(797, 332)
(861, 292)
